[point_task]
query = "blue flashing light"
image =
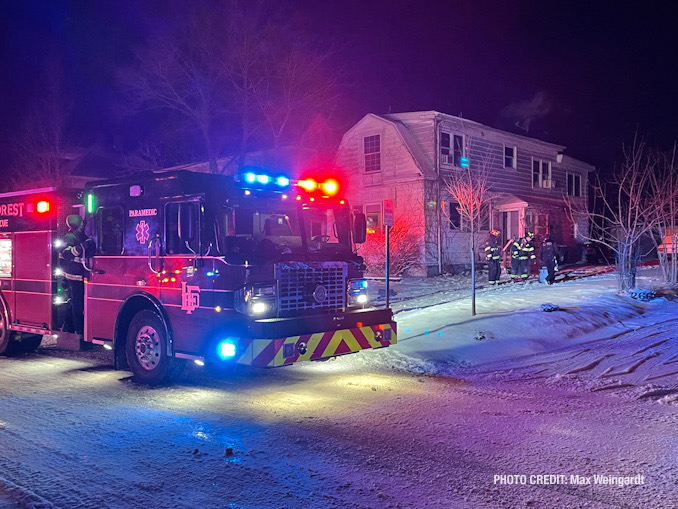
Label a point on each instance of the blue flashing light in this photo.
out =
(210, 274)
(363, 284)
(226, 348)
(464, 162)
(256, 179)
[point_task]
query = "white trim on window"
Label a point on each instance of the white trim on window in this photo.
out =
(573, 183)
(541, 173)
(372, 153)
(510, 161)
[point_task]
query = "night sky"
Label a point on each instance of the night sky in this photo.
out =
(575, 74)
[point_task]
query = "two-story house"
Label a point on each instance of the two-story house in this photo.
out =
(408, 157)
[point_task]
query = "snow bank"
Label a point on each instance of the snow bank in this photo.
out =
(437, 335)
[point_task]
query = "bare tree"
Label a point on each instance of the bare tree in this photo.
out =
(624, 210)
(297, 90)
(238, 73)
(39, 149)
(664, 193)
(179, 71)
(147, 157)
(405, 248)
(469, 188)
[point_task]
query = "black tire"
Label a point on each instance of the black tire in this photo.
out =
(29, 343)
(146, 350)
(8, 344)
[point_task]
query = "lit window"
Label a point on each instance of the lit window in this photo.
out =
(373, 217)
(372, 146)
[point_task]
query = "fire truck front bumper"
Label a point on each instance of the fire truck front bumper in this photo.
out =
(278, 342)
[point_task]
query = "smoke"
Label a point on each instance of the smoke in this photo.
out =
(522, 113)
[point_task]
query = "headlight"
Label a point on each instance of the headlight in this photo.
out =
(357, 292)
(256, 300)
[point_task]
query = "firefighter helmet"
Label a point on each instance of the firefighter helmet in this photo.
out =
(74, 222)
(529, 234)
(495, 233)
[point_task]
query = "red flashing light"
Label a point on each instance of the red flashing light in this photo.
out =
(330, 187)
(42, 206)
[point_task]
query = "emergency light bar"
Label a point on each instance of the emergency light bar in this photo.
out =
(329, 187)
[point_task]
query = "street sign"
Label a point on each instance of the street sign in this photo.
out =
(388, 212)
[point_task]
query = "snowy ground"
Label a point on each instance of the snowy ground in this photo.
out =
(588, 389)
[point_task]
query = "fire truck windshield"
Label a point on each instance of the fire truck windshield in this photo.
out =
(266, 229)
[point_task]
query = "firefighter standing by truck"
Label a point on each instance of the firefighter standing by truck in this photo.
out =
(492, 255)
(77, 248)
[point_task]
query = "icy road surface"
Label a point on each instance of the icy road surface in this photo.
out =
(584, 391)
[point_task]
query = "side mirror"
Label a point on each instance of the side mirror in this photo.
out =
(359, 227)
(186, 222)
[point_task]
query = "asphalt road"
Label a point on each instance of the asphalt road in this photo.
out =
(76, 434)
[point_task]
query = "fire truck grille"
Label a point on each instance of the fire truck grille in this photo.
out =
(319, 286)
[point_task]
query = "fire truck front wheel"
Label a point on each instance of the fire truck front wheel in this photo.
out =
(146, 350)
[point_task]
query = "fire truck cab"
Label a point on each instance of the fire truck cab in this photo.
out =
(256, 269)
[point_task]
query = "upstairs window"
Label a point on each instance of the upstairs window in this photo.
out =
(446, 155)
(372, 148)
(573, 184)
(509, 156)
(459, 150)
(452, 149)
(541, 173)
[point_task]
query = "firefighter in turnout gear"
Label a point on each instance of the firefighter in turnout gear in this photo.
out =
(492, 255)
(549, 254)
(77, 247)
(515, 259)
(526, 254)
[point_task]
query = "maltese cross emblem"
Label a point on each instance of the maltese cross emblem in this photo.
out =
(142, 232)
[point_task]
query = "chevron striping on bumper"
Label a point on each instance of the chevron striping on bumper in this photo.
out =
(282, 351)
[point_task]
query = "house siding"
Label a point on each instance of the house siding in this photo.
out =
(400, 178)
(410, 153)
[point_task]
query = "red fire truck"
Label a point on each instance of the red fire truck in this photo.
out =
(257, 269)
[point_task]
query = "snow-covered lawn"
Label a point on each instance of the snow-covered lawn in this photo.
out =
(438, 335)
